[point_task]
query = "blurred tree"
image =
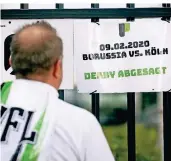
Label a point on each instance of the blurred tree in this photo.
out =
(148, 99)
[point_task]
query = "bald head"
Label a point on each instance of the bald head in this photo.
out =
(34, 37)
(34, 48)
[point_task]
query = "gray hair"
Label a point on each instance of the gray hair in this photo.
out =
(38, 57)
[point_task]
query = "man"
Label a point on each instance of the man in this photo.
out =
(35, 124)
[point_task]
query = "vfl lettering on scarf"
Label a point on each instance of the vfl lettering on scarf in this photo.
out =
(30, 153)
(34, 141)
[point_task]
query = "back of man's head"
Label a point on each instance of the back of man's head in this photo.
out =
(36, 52)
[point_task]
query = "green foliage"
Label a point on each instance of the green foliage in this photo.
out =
(148, 99)
(146, 139)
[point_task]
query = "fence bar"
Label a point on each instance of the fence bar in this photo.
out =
(95, 105)
(131, 111)
(95, 96)
(131, 127)
(24, 6)
(104, 13)
(130, 5)
(167, 125)
(61, 94)
(59, 5)
(166, 5)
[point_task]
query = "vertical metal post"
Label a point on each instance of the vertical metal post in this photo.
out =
(167, 125)
(95, 105)
(95, 97)
(130, 5)
(131, 114)
(131, 127)
(24, 6)
(61, 94)
(95, 5)
(166, 5)
(167, 112)
(59, 5)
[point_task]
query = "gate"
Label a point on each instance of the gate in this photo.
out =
(130, 13)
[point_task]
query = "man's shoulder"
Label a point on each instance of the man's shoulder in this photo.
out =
(74, 110)
(74, 114)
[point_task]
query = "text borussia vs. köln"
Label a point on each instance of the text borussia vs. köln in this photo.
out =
(98, 56)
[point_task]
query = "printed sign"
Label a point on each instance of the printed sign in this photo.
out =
(8, 28)
(123, 57)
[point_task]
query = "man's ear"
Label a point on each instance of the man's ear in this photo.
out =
(58, 69)
(10, 60)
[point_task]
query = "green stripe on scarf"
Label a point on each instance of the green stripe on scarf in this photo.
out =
(5, 92)
(31, 153)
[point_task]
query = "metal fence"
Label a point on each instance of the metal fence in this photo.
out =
(95, 13)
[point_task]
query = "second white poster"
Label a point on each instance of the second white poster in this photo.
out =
(115, 56)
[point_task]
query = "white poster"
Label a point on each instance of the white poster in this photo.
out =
(117, 57)
(64, 29)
